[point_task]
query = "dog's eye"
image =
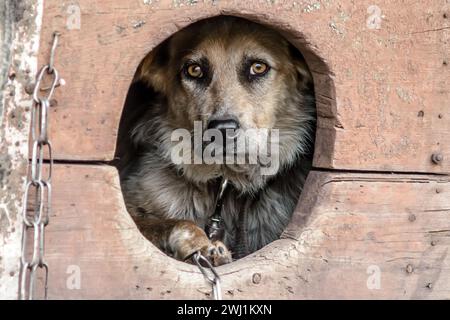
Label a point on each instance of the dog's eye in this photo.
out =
(258, 68)
(194, 71)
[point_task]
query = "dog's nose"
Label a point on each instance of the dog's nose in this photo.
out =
(224, 124)
(228, 128)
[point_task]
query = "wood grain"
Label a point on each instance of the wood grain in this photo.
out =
(344, 225)
(383, 95)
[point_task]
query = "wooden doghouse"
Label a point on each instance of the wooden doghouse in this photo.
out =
(374, 218)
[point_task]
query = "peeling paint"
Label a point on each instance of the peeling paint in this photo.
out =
(312, 7)
(403, 94)
(344, 17)
(181, 3)
(335, 28)
(137, 24)
(14, 127)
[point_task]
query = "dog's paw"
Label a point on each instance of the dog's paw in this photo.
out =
(217, 253)
(187, 238)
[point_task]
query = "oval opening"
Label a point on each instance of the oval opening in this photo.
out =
(152, 190)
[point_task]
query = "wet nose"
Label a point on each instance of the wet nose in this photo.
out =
(228, 127)
(224, 124)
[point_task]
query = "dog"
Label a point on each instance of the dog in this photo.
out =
(223, 73)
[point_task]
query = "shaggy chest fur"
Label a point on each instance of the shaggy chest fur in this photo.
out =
(251, 220)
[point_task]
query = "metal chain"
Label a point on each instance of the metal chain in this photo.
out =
(38, 189)
(215, 231)
(213, 278)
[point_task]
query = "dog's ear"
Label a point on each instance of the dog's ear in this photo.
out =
(303, 73)
(153, 69)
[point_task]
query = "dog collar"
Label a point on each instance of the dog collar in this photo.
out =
(214, 228)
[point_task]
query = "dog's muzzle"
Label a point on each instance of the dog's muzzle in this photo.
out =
(228, 127)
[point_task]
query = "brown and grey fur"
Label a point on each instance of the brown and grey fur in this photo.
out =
(171, 203)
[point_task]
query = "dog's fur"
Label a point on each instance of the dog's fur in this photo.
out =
(171, 203)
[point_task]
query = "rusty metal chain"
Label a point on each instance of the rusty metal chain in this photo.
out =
(212, 278)
(38, 189)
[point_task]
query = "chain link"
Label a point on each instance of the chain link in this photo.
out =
(214, 230)
(38, 189)
(212, 278)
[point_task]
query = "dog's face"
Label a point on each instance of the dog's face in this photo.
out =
(230, 68)
(234, 73)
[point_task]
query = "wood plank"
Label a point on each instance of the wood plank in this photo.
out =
(383, 94)
(345, 224)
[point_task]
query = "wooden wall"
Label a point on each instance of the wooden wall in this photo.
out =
(382, 94)
(346, 226)
(383, 106)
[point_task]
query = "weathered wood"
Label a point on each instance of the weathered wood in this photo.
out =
(383, 94)
(19, 38)
(345, 224)
(382, 98)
